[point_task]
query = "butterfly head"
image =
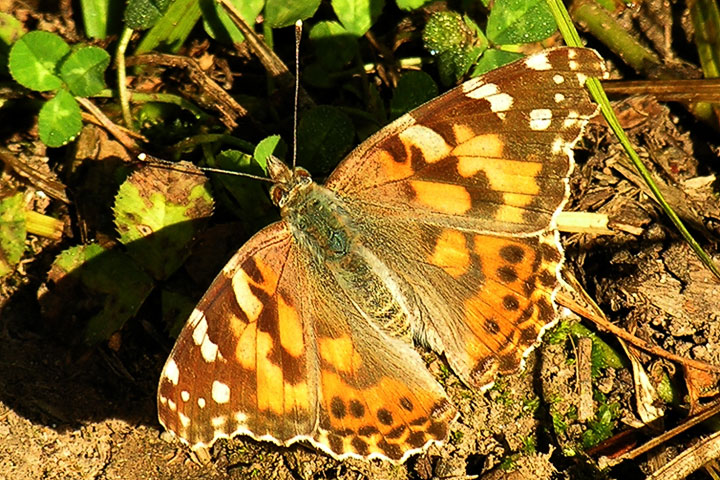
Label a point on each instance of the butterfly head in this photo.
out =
(287, 182)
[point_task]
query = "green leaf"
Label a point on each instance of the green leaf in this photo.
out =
(34, 59)
(12, 232)
(10, 30)
(413, 89)
(455, 41)
(454, 64)
(272, 145)
(165, 123)
(247, 197)
(444, 31)
(334, 46)
(157, 214)
(171, 31)
(667, 391)
(603, 355)
(325, 134)
(316, 75)
(411, 4)
(283, 13)
(60, 120)
(143, 14)
(520, 21)
(84, 71)
(220, 26)
(492, 59)
(357, 16)
(603, 425)
(109, 282)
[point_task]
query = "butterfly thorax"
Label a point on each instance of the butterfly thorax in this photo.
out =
(320, 223)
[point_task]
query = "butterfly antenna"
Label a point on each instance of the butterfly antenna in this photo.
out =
(298, 36)
(194, 170)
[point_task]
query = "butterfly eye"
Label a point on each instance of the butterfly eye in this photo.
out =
(277, 195)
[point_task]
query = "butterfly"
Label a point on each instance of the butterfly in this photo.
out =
(436, 231)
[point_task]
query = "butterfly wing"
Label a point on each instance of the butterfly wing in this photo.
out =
(274, 351)
(481, 157)
(482, 299)
(459, 198)
(226, 373)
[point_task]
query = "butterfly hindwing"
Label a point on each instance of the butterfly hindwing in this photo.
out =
(483, 300)
(378, 399)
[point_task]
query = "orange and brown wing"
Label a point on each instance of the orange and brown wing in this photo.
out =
(274, 350)
(378, 398)
(244, 363)
(492, 155)
(482, 299)
(459, 198)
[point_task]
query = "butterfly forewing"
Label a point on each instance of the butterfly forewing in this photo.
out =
(230, 371)
(490, 155)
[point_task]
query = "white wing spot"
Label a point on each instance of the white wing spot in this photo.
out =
(559, 98)
(172, 405)
(540, 119)
(220, 392)
(171, 371)
(573, 65)
(572, 53)
(163, 400)
(184, 419)
(538, 62)
(208, 349)
(200, 329)
(572, 119)
(201, 402)
(185, 395)
(471, 85)
(558, 145)
(218, 422)
(558, 79)
(499, 102)
(582, 78)
(481, 90)
(428, 141)
(240, 418)
(246, 299)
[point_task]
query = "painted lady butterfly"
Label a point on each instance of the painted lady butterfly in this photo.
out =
(438, 229)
